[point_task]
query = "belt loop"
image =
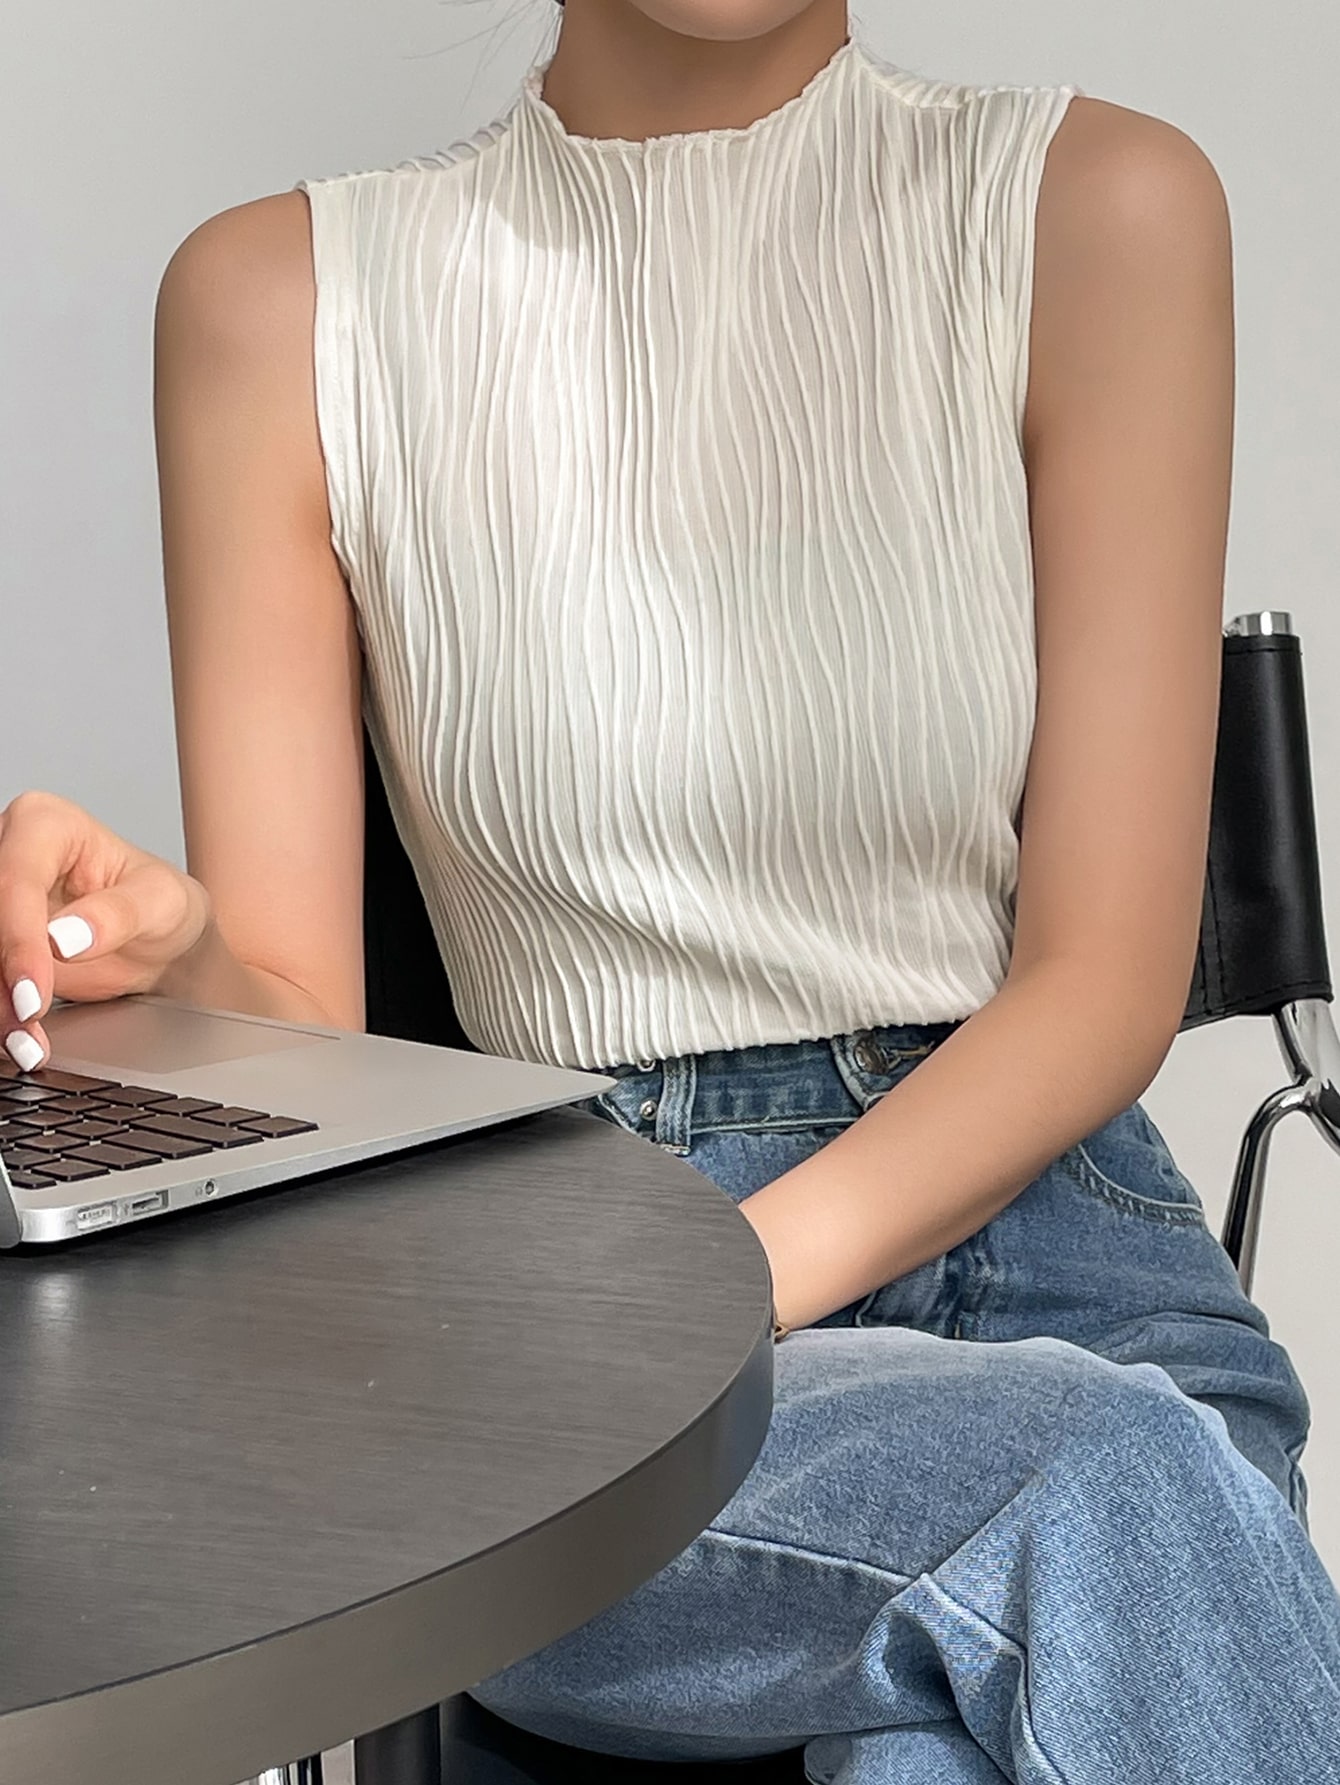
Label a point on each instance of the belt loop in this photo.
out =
(674, 1117)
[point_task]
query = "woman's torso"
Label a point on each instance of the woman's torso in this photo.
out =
(680, 493)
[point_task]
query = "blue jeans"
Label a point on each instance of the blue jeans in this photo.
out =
(1032, 1512)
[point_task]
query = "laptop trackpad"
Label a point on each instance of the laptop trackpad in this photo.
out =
(128, 1037)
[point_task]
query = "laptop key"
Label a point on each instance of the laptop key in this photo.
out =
(232, 1116)
(185, 1106)
(67, 1104)
(166, 1146)
(21, 1158)
(71, 1171)
(45, 1143)
(40, 1120)
(215, 1135)
(22, 1091)
(93, 1128)
(21, 1128)
(68, 1081)
(131, 1094)
(31, 1180)
(275, 1126)
(114, 1158)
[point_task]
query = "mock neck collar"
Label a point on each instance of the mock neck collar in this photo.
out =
(790, 115)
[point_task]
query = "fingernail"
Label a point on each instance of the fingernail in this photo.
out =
(26, 999)
(24, 1050)
(71, 936)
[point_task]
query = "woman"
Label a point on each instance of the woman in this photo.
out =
(737, 470)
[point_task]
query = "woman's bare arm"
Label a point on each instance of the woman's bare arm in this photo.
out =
(1128, 446)
(265, 662)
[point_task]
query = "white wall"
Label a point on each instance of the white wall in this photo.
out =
(124, 125)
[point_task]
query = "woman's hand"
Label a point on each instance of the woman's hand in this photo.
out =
(83, 915)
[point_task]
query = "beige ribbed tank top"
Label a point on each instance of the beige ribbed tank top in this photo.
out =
(679, 490)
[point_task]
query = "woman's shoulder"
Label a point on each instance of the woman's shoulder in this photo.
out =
(235, 313)
(244, 275)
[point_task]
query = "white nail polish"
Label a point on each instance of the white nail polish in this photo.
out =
(71, 936)
(26, 999)
(24, 1050)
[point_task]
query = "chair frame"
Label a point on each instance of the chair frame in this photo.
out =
(1305, 1030)
(1306, 1033)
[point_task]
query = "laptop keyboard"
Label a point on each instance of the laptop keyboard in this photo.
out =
(62, 1127)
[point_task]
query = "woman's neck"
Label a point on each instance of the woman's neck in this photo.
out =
(617, 73)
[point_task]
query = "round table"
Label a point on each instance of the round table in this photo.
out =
(291, 1470)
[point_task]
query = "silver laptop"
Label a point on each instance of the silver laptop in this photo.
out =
(148, 1105)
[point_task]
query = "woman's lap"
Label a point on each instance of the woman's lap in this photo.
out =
(919, 1540)
(1108, 1248)
(910, 1428)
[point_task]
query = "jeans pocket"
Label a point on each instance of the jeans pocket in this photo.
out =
(1127, 1164)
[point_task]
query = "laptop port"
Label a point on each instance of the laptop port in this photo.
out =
(101, 1214)
(146, 1204)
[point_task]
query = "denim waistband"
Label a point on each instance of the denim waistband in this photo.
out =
(778, 1085)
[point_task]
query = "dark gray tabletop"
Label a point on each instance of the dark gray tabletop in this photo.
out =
(280, 1472)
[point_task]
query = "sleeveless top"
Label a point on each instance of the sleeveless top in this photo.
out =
(679, 490)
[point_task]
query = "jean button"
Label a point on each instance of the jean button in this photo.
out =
(869, 1056)
(648, 1110)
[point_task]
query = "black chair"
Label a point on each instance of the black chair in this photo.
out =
(1262, 953)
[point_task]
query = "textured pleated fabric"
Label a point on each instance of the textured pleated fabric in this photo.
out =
(679, 489)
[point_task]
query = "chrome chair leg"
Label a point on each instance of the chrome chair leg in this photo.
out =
(405, 1753)
(1242, 1224)
(1306, 1033)
(298, 1772)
